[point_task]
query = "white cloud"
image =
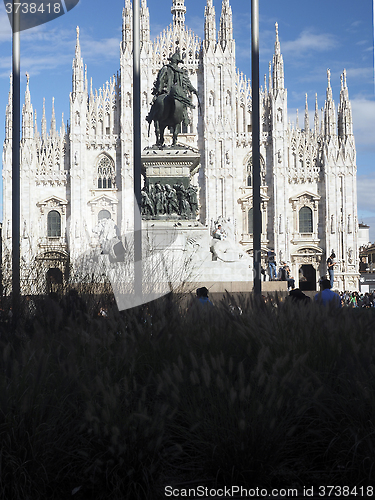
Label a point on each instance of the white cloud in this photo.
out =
(96, 50)
(307, 42)
(364, 122)
(44, 48)
(365, 73)
(6, 62)
(5, 30)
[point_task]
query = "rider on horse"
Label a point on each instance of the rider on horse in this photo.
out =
(174, 82)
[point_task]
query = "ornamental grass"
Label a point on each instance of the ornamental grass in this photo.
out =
(172, 393)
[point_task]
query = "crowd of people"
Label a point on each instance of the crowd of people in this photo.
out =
(274, 274)
(357, 299)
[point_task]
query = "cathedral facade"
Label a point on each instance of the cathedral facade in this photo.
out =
(76, 175)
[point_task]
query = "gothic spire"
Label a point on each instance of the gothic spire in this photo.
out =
(306, 124)
(278, 64)
(27, 92)
(145, 22)
(329, 110)
(44, 121)
(127, 25)
(316, 116)
(329, 89)
(53, 119)
(35, 125)
(27, 113)
(78, 73)
(8, 112)
(226, 25)
(209, 24)
(178, 11)
(62, 129)
(270, 76)
(345, 124)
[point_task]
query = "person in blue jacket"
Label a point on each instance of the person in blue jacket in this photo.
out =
(326, 296)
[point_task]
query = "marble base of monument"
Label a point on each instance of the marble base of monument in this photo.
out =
(170, 164)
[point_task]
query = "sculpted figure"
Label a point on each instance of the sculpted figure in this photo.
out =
(193, 199)
(106, 231)
(183, 204)
(172, 90)
(171, 199)
(159, 198)
(147, 206)
(225, 248)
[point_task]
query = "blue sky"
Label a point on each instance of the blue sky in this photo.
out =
(314, 36)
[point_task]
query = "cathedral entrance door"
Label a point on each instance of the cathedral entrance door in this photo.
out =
(54, 279)
(307, 277)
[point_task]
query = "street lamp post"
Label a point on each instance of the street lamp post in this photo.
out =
(257, 216)
(15, 162)
(137, 151)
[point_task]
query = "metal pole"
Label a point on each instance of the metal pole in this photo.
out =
(257, 215)
(137, 151)
(16, 164)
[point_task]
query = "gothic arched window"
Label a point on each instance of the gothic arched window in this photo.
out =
(106, 173)
(53, 224)
(249, 172)
(305, 220)
(249, 182)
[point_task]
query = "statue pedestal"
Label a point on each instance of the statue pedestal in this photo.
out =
(167, 193)
(178, 252)
(176, 256)
(170, 165)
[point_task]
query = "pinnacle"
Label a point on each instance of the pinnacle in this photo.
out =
(277, 42)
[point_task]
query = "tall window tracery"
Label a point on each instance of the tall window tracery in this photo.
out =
(249, 172)
(106, 173)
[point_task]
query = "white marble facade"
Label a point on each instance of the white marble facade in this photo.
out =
(74, 175)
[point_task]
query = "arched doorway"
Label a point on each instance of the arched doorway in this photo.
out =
(54, 279)
(307, 277)
(52, 270)
(104, 214)
(306, 264)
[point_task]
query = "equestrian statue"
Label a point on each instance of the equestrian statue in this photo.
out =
(172, 96)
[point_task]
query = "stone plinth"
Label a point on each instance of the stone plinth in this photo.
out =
(170, 165)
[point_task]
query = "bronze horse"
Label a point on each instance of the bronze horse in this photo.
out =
(167, 111)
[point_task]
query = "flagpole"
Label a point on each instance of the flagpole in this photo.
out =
(16, 107)
(137, 151)
(257, 215)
